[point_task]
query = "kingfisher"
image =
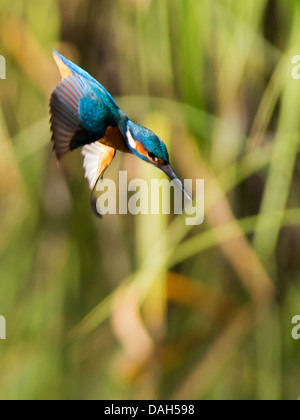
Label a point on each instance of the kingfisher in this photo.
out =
(84, 115)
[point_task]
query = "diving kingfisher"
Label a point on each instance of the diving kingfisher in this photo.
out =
(84, 114)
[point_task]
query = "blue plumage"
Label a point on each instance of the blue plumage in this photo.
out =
(150, 141)
(78, 70)
(83, 113)
(96, 110)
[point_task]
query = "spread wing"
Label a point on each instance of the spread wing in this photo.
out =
(83, 114)
(80, 114)
(67, 68)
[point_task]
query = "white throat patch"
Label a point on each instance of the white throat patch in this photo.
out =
(130, 139)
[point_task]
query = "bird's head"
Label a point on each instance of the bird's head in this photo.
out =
(150, 148)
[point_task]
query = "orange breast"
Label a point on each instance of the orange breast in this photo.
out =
(105, 159)
(114, 138)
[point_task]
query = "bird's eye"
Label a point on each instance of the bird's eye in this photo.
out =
(152, 156)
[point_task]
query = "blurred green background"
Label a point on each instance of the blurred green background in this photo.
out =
(145, 307)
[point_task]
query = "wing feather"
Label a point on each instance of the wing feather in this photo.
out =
(80, 114)
(97, 157)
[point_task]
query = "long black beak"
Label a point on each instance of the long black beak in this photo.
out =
(171, 174)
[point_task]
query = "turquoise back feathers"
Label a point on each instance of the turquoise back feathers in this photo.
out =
(80, 72)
